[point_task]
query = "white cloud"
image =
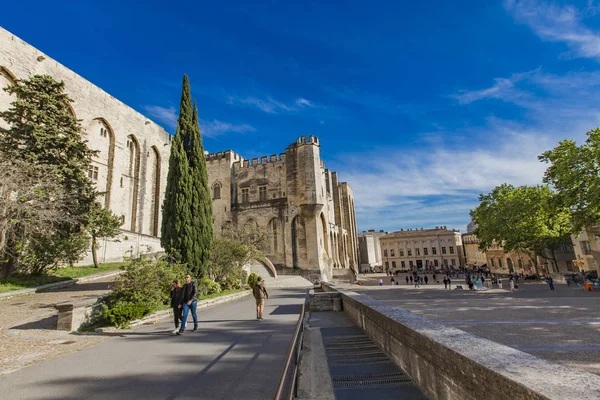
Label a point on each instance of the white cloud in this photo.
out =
(555, 23)
(270, 105)
(503, 89)
(215, 128)
(166, 115)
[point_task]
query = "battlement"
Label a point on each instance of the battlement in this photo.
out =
(224, 155)
(311, 139)
(263, 161)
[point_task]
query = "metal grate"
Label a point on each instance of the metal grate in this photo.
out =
(360, 370)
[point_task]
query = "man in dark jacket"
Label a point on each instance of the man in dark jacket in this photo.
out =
(190, 300)
(260, 293)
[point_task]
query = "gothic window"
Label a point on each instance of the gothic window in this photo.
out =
(262, 193)
(103, 132)
(216, 191)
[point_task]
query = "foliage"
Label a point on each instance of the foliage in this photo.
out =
(121, 313)
(101, 223)
(574, 172)
(43, 133)
(526, 219)
(47, 253)
(202, 206)
(24, 281)
(186, 231)
(146, 282)
(252, 279)
(208, 286)
(78, 272)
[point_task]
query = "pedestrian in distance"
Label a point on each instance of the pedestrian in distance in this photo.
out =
(568, 282)
(411, 279)
(550, 282)
(445, 283)
(499, 283)
(260, 294)
(434, 278)
(176, 301)
(189, 303)
(392, 281)
(511, 282)
(380, 282)
(426, 279)
(449, 284)
(406, 279)
(417, 282)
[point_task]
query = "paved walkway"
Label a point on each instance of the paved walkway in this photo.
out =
(231, 356)
(28, 325)
(561, 325)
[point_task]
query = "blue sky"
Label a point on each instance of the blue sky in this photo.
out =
(420, 106)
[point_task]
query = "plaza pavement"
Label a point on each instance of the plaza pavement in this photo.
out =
(231, 356)
(562, 326)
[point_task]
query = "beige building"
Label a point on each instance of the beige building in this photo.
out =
(474, 256)
(309, 214)
(503, 262)
(587, 249)
(369, 250)
(427, 249)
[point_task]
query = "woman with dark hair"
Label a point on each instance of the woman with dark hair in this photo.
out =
(176, 301)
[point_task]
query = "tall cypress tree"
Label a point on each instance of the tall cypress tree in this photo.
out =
(176, 231)
(202, 205)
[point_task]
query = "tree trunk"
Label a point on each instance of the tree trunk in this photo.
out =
(94, 256)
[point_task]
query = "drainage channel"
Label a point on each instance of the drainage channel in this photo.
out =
(361, 371)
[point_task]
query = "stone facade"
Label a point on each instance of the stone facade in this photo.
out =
(308, 215)
(501, 262)
(587, 249)
(131, 167)
(429, 249)
(369, 250)
(474, 257)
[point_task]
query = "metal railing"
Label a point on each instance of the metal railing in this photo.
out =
(291, 361)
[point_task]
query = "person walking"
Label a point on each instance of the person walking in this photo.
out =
(392, 281)
(434, 278)
(406, 279)
(189, 303)
(380, 282)
(499, 283)
(417, 282)
(449, 284)
(411, 279)
(176, 300)
(550, 282)
(426, 279)
(260, 293)
(445, 283)
(511, 281)
(568, 282)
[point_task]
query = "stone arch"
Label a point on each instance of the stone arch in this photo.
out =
(6, 78)
(216, 190)
(155, 200)
(133, 147)
(106, 155)
(340, 247)
(227, 225)
(261, 267)
(275, 236)
(322, 231)
(299, 251)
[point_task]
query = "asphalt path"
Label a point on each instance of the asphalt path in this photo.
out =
(231, 356)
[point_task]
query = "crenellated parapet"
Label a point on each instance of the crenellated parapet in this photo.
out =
(264, 161)
(226, 155)
(310, 140)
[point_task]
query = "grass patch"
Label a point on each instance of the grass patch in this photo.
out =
(223, 293)
(78, 272)
(19, 281)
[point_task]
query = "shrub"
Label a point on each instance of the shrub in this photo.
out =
(208, 286)
(120, 313)
(144, 287)
(252, 279)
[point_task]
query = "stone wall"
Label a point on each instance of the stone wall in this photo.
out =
(132, 163)
(450, 364)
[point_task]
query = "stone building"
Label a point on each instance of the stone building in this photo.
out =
(474, 257)
(502, 262)
(131, 166)
(427, 249)
(587, 249)
(308, 215)
(369, 250)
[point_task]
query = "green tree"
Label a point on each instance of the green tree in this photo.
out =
(202, 204)
(101, 223)
(574, 172)
(176, 229)
(527, 219)
(43, 132)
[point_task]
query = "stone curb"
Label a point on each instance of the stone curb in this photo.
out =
(158, 315)
(60, 284)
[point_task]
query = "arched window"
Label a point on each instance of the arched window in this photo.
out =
(216, 191)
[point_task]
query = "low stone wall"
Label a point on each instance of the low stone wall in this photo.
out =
(324, 301)
(450, 364)
(75, 315)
